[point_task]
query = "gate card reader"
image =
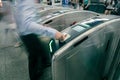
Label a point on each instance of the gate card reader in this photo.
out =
(77, 29)
(71, 33)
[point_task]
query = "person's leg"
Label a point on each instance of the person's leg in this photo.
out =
(35, 64)
(1, 16)
(107, 12)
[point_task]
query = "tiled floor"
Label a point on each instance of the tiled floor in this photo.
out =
(13, 60)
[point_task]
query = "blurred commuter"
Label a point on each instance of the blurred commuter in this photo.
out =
(86, 4)
(1, 10)
(49, 2)
(0, 3)
(80, 2)
(29, 31)
(6, 11)
(74, 4)
(116, 10)
(115, 2)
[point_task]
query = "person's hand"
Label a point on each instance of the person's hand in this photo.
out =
(60, 36)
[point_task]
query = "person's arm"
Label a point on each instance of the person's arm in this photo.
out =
(26, 15)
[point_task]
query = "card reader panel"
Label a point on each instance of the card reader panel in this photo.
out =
(75, 30)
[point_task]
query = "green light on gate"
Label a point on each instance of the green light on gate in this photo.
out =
(50, 46)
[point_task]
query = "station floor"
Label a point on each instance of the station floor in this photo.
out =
(13, 60)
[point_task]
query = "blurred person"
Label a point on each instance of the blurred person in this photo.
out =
(29, 32)
(49, 2)
(6, 11)
(80, 2)
(0, 3)
(74, 3)
(1, 10)
(115, 2)
(116, 10)
(85, 4)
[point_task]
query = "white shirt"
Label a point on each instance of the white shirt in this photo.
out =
(25, 14)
